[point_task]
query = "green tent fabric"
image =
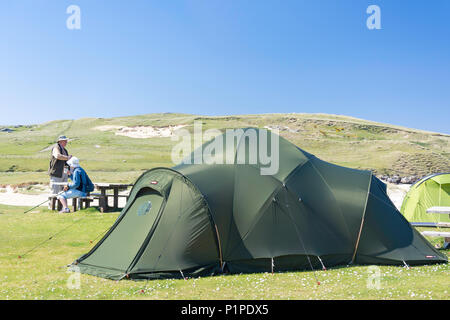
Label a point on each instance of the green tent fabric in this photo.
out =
(431, 191)
(204, 219)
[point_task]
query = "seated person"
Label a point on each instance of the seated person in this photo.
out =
(81, 184)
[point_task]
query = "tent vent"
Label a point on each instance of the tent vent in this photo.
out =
(144, 209)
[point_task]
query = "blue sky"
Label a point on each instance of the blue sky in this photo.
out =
(226, 57)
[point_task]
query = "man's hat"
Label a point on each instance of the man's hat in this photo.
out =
(62, 138)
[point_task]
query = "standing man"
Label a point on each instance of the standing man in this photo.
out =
(57, 169)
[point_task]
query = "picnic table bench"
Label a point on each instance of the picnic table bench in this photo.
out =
(102, 197)
(440, 210)
(79, 202)
(431, 224)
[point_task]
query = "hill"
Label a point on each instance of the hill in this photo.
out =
(116, 150)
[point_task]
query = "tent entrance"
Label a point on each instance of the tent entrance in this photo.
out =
(127, 235)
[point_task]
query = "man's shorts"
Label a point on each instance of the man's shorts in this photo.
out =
(57, 188)
(72, 193)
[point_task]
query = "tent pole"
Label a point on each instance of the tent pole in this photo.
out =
(272, 264)
(440, 191)
(323, 266)
(362, 221)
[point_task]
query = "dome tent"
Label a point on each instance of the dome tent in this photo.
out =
(433, 190)
(203, 219)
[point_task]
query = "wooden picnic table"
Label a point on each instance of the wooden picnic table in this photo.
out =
(440, 210)
(104, 187)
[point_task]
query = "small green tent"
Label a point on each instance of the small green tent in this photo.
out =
(431, 191)
(206, 218)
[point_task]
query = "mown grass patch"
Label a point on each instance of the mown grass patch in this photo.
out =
(41, 273)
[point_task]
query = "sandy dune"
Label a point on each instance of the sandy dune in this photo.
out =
(397, 192)
(11, 197)
(142, 132)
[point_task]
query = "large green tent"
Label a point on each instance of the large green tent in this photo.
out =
(431, 191)
(203, 219)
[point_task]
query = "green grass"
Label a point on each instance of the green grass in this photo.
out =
(41, 274)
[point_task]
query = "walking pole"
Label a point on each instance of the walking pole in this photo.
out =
(40, 204)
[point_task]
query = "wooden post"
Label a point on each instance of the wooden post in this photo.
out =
(103, 200)
(53, 203)
(116, 198)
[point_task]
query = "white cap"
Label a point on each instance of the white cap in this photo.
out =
(73, 162)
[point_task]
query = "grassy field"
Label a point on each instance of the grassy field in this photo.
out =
(41, 273)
